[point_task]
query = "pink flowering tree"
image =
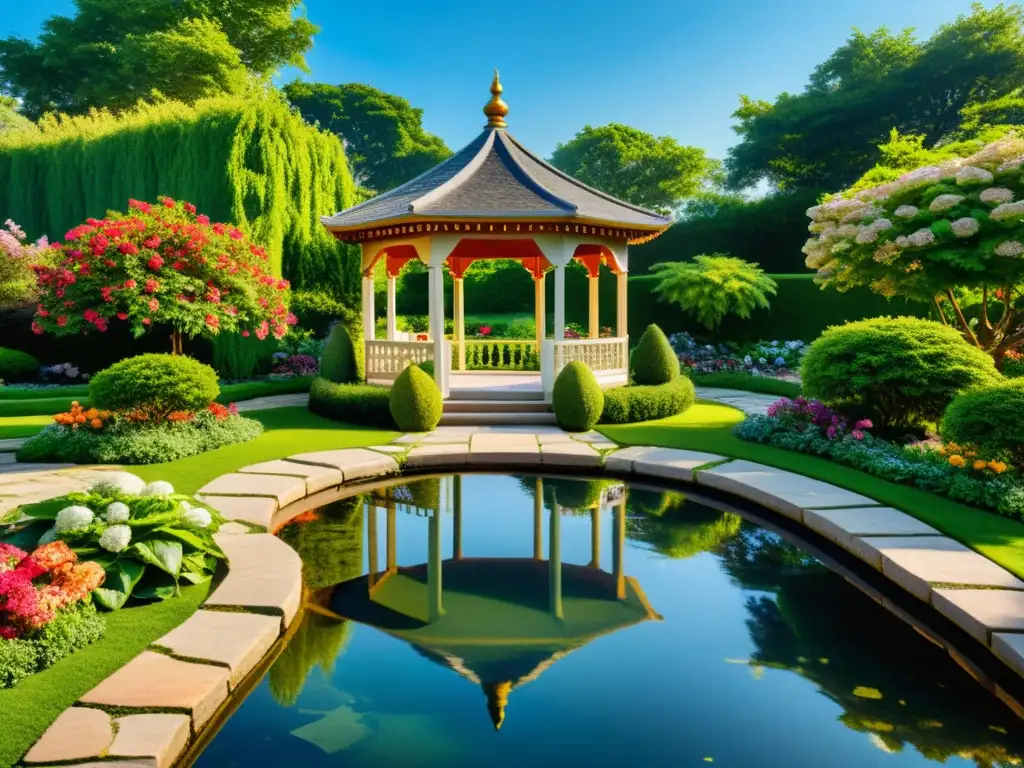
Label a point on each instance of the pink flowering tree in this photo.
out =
(17, 255)
(160, 264)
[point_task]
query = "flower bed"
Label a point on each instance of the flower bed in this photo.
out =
(765, 358)
(958, 472)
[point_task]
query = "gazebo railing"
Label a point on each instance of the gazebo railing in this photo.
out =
(498, 355)
(386, 359)
(608, 358)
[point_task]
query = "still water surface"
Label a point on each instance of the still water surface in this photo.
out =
(466, 622)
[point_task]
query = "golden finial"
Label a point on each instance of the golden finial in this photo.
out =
(497, 699)
(496, 109)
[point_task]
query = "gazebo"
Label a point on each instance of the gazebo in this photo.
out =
(494, 199)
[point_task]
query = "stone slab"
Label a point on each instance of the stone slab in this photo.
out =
(354, 463)
(234, 529)
(438, 455)
(389, 448)
(513, 449)
(787, 493)
(915, 562)
(843, 525)
(1009, 647)
(622, 460)
(77, 734)
(589, 437)
(158, 738)
(980, 612)
(412, 437)
(154, 680)
(672, 463)
(235, 640)
(555, 438)
(257, 510)
(265, 574)
(284, 489)
(572, 454)
(317, 478)
(604, 445)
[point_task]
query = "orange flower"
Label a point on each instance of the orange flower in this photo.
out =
(96, 423)
(957, 461)
(970, 454)
(80, 418)
(997, 466)
(52, 556)
(980, 465)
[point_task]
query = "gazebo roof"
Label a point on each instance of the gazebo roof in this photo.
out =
(496, 179)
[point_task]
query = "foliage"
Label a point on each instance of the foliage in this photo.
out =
(155, 385)
(989, 418)
(11, 119)
(932, 231)
(577, 398)
(655, 172)
(365, 404)
(903, 371)
(69, 631)
(415, 401)
(653, 361)
(147, 538)
(711, 287)
(823, 138)
(1013, 365)
(806, 429)
(747, 382)
(294, 365)
(236, 357)
(17, 280)
(342, 359)
(628, 405)
(17, 366)
(763, 358)
(249, 160)
(383, 134)
(319, 310)
(679, 528)
(330, 542)
(110, 53)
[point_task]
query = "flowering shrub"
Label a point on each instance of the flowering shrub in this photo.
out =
(86, 418)
(147, 541)
(17, 281)
(954, 471)
(160, 264)
(765, 358)
(1013, 365)
(62, 373)
(302, 342)
(294, 365)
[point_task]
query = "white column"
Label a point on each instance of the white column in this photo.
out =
(559, 302)
(621, 297)
(458, 298)
(540, 317)
(392, 315)
(437, 321)
(369, 320)
(595, 324)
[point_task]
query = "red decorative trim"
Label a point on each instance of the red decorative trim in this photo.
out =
(492, 227)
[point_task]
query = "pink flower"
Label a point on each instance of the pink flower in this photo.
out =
(129, 283)
(189, 207)
(122, 315)
(154, 305)
(146, 321)
(863, 424)
(213, 321)
(155, 263)
(128, 248)
(245, 334)
(235, 234)
(857, 434)
(168, 202)
(62, 321)
(151, 286)
(831, 432)
(202, 218)
(37, 329)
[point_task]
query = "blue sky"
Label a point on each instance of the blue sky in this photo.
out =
(666, 66)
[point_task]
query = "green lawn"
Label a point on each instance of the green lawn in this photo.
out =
(14, 392)
(30, 707)
(708, 427)
(22, 426)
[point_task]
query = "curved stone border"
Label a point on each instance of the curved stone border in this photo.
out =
(150, 710)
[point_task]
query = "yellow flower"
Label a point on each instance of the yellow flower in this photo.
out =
(980, 465)
(997, 466)
(971, 454)
(957, 461)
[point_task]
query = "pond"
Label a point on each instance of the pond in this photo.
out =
(510, 620)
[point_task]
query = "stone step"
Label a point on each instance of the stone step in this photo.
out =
(496, 406)
(476, 418)
(495, 393)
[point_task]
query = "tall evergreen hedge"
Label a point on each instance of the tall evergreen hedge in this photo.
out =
(251, 161)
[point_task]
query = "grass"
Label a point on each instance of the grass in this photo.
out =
(747, 382)
(30, 707)
(286, 431)
(22, 426)
(14, 392)
(708, 427)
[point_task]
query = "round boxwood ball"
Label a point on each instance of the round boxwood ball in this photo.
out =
(415, 401)
(16, 365)
(338, 360)
(427, 366)
(653, 360)
(989, 418)
(154, 384)
(577, 398)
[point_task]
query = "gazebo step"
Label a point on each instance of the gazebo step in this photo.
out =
(463, 418)
(496, 406)
(496, 392)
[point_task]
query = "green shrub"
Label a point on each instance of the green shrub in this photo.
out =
(747, 382)
(18, 660)
(364, 404)
(577, 398)
(318, 310)
(415, 401)
(902, 371)
(17, 366)
(71, 629)
(991, 418)
(341, 361)
(628, 405)
(427, 366)
(236, 357)
(653, 361)
(156, 384)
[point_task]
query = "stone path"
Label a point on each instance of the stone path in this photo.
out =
(748, 402)
(273, 401)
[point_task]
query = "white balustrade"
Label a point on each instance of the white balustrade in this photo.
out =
(386, 359)
(607, 358)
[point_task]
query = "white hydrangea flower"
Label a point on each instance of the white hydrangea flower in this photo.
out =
(843, 245)
(847, 230)
(117, 513)
(971, 174)
(116, 538)
(1010, 248)
(996, 195)
(198, 517)
(927, 175)
(921, 238)
(158, 488)
(118, 482)
(1007, 211)
(73, 518)
(881, 224)
(1012, 163)
(185, 506)
(902, 241)
(965, 227)
(905, 211)
(944, 202)
(867, 235)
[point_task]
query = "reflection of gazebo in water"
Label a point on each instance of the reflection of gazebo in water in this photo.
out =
(498, 622)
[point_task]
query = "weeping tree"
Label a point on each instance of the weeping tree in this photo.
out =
(713, 286)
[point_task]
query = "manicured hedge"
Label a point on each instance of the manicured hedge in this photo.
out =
(628, 405)
(363, 404)
(415, 401)
(989, 418)
(155, 384)
(16, 365)
(577, 398)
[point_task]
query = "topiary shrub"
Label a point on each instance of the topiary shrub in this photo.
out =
(340, 361)
(427, 366)
(415, 401)
(653, 361)
(364, 404)
(628, 405)
(577, 398)
(902, 371)
(155, 385)
(17, 366)
(989, 418)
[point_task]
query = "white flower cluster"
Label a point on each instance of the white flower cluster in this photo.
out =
(944, 203)
(971, 174)
(996, 195)
(198, 517)
(867, 235)
(73, 518)
(1010, 248)
(116, 538)
(1007, 211)
(905, 211)
(158, 488)
(117, 512)
(965, 227)
(118, 482)
(921, 238)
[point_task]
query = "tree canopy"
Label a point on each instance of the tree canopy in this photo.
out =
(655, 172)
(825, 137)
(112, 53)
(384, 137)
(711, 287)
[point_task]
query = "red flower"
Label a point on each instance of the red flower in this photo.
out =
(168, 202)
(178, 265)
(190, 208)
(154, 305)
(37, 329)
(232, 310)
(101, 324)
(62, 321)
(280, 331)
(213, 321)
(128, 248)
(145, 321)
(155, 263)
(220, 229)
(122, 315)
(129, 283)
(202, 218)
(234, 234)
(244, 333)
(151, 286)
(140, 206)
(41, 311)
(152, 242)
(91, 315)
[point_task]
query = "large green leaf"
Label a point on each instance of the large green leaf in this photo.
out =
(200, 542)
(157, 585)
(165, 555)
(46, 510)
(27, 536)
(122, 577)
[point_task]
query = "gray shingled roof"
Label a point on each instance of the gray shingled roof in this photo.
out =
(494, 176)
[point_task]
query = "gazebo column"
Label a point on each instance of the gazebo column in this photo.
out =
(392, 313)
(538, 511)
(457, 514)
(371, 542)
(559, 302)
(617, 550)
(369, 320)
(392, 561)
(435, 609)
(436, 272)
(621, 299)
(595, 327)
(555, 562)
(595, 538)
(458, 299)
(540, 318)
